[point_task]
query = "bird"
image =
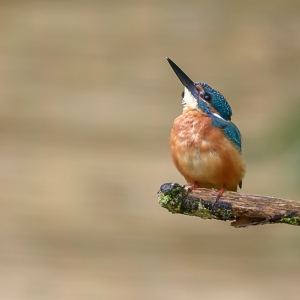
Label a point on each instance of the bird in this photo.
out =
(205, 145)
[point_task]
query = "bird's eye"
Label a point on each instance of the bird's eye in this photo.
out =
(182, 94)
(206, 96)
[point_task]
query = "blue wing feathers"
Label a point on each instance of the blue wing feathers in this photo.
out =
(234, 135)
(231, 131)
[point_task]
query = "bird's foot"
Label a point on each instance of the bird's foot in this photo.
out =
(220, 193)
(190, 187)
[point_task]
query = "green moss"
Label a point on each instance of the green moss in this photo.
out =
(170, 195)
(176, 199)
(291, 220)
(223, 211)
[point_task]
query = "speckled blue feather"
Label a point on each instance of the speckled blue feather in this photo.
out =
(218, 101)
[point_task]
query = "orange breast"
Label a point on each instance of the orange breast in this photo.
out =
(203, 154)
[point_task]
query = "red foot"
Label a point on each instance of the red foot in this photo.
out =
(191, 187)
(220, 193)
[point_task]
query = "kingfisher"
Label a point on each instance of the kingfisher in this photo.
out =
(205, 145)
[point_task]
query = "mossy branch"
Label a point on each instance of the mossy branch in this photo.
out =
(243, 209)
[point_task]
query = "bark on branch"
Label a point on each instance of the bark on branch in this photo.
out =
(243, 209)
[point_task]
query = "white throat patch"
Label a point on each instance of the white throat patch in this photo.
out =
(189, 101)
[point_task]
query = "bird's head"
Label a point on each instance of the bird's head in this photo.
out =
(200, 95)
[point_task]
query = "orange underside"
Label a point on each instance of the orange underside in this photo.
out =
(203, 154)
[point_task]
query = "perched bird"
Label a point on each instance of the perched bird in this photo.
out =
(205, 145)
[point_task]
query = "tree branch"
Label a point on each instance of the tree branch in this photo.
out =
(243, 209)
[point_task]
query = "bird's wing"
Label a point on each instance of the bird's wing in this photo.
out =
(231, 131)
(234, 135)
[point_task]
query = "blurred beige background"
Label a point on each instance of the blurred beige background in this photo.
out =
(87, 104)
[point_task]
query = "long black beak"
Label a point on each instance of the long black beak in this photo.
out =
(185, 80)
